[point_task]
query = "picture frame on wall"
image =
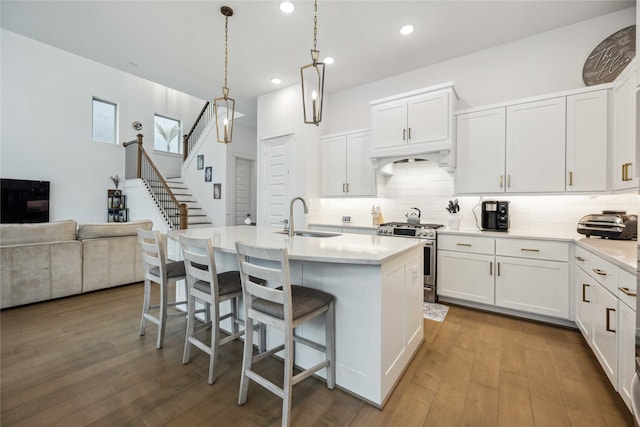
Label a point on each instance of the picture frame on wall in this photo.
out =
(200, 161)
(217, 190)
(208, 174)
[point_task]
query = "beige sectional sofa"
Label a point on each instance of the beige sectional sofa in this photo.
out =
(43, 261)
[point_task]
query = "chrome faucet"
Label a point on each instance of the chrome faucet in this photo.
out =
(306, 210)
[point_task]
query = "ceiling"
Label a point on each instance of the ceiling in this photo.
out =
(180, 44)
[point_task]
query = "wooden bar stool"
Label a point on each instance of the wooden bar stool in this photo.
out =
(158, 270)
(284, 307)
(207, 286)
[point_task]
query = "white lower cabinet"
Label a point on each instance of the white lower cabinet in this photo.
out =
(605, 314)
(604, 339)
(466, 276)
(626, 350)
(534, 280)
(534, 286)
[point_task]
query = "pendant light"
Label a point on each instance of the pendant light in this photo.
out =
(312, 76)
(224, 108)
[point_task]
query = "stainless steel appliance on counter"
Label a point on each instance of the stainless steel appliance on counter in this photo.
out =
(495, 215)
(426, 232)
(616, 225)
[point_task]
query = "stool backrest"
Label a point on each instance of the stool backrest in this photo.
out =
(259, 264)
(199, 261)
(153, 253)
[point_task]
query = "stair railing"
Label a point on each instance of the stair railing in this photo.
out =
(190, 139)
(175, 212)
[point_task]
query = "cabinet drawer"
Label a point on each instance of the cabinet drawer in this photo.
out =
(627, 288)
(604, 273)
(534, 249)
(472, 244)
(582, 258)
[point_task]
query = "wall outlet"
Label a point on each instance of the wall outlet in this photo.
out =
(346, 219)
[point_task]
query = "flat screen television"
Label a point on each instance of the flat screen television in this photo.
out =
(23, 201)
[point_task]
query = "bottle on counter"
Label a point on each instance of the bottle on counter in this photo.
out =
(247, 220)
(375, 215)
(380, 217)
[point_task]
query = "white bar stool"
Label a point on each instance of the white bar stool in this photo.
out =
(285, 308)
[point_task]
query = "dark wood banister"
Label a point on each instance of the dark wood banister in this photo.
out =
(185, 139)
(141, 152)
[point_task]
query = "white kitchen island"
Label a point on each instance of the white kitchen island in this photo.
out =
(377, 282)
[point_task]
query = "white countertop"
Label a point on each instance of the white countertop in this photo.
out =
(345, 248)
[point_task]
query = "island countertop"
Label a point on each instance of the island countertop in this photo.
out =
(344, 248)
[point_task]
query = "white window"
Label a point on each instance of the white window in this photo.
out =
(167, 135)
(104, 121)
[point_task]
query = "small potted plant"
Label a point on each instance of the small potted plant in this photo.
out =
(116, 181)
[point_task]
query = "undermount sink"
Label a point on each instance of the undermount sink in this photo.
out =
(308, 233)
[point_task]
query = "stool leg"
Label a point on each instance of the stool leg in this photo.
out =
(162, 317)
(215, 340)
(146, 302)
(287, 387)
(247, 356)
(262, 330)
(191, 320)
(330, 344)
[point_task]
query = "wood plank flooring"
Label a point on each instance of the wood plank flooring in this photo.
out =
(79, 361)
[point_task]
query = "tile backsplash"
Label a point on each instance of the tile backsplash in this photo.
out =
(424, 185)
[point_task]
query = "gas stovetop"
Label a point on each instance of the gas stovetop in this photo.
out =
(403, 229)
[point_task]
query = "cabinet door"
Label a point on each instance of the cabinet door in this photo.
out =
(466, 276)
(480, 151)
(428, 118)
(533, 286)
(605, 340)
(583, 289)
(587, 142)
(624, 123)
(626, 351)
(361, 180)
(535, 154)
(389, 121)
(334, 166)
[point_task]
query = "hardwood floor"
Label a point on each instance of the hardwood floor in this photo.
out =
(79, 361)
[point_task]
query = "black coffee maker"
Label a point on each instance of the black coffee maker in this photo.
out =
(495, 215)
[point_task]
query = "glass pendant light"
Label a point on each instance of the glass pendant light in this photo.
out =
(312, 76)
(224, 108)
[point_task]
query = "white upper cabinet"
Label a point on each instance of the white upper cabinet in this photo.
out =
(535, 150)
(346, 168)
(481, 151)
(623, 132)
(413, 122)
(587, 142)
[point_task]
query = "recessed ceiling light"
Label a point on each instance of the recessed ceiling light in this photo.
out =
(406, 29)
(328, 60)
(287, 7)
(276, 81)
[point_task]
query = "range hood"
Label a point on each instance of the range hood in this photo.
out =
(441, 154)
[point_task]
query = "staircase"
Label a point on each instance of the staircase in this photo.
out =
(197, 216)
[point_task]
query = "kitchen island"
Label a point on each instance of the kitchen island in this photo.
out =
(377, 282)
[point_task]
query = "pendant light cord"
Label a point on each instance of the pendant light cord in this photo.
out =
(226, 54)
(315, 25)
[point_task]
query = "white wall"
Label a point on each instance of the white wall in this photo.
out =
(218, 156)
(46, 131)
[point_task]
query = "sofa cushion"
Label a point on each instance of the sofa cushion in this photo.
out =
(112, 229)
(19, 234)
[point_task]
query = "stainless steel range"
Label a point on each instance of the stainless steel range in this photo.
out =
(426, 232)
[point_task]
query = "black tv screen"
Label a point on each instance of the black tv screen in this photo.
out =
(23, 201)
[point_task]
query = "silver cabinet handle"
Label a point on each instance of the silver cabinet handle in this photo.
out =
(409, 133)
(627, 291)
(404, 134)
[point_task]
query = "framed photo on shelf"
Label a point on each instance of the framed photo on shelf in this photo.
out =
(208, 174)
(217, 190)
